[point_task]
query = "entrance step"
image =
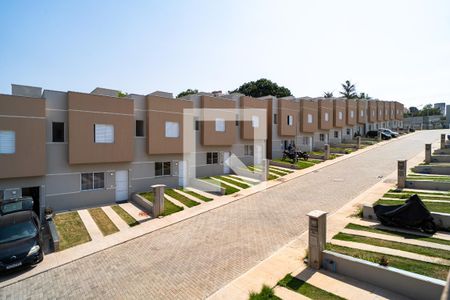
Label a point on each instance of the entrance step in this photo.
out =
(115, 218)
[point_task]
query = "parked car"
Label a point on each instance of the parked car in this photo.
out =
(374, 134)
(20, 240)
(390, 132)
(20, 235)
(412, 130)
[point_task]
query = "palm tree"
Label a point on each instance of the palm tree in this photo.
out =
(328, 94)
(349, 90)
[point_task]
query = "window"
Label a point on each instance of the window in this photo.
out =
(290, 120)
(275, 121)
(255, 121)
(306, 140)
(361, 113)
(310, 118)
(197, 125)
(348, 131)
(172, 130)
(7, 142)
(352, 114)
(326, 117)
(386, 112)
(381, 112)
(336, 134)
(397, 111)
(104, 134)
(58, 132)
(340, 115)
(373, 113)
(248, 150)
(162, 168)
(212, 158)
(322, 137)
(139, 128)
(220, 125)
(392, 111)
(92, 181)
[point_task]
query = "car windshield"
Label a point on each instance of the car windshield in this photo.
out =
(17, 231)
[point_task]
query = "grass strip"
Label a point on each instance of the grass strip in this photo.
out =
(428, 178)
(281, 170)
(102, 220)
(243, 180)
(125, 216)
(419, 192)
(197, 195)
(169, 207)
(397, 233)
(233, 182)
(228, 189)
(277, 172)
(433, 252)
(407, 195)
(407, 264)
(306, 289)
(71, 230)
(432, 206)
(183, 199)
(266, 293)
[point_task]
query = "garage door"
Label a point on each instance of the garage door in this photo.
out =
(121, 185)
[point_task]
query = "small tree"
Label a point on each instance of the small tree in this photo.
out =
(121, 94)
(364, 96)
(328, 94)
(349, 90)
(187, 92)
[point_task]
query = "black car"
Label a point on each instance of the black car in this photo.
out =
(374, 133)
(20, 240)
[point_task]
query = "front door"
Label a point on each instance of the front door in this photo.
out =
(121, 185)
(226, 168)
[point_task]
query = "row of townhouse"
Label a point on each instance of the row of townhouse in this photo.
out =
(70, 150)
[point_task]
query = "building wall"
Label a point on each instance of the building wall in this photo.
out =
(211, 137)
(309, 107)
(325, 109)
(362, 111)
(86, 110)
(24, 116)
(339, 113)
(372, 111)
(380, 111)
(287, 107)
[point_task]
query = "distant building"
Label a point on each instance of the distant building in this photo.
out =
(441, 107)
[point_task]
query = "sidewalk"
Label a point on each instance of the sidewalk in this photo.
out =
(289, 259)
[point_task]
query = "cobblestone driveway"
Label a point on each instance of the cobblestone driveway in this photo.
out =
(194, 258)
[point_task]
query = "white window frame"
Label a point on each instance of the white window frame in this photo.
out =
(290, 120)
(104, 133)
(162, 168)
(352, 114)
(172, 129)
(249, 150)
(306, 140)
(361, 113)
(93, 181)
(322, 137)
(340, 115)
(220, 125)
(326, 117)
(336, 134)
(309, 118)
(255, 121)
(7, 142)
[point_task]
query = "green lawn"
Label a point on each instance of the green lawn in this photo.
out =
(169, 207)
(277, 172)
(419, 192)
(397, 233)
(422, 196)
(71, 230)
(432, 206)
(183, 199)
(233, 182)
(266, 293)
(228, 189)
(411, 265)
(341, 150)
(302, 164)
(197, 195)
(430, 178)
(125, 216)
(102, 220)
(235, 177)
(306, 289)
(281, 170)
(393, 245)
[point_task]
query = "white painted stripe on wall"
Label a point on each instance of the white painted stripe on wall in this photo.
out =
(101, 112)
(59, 194)
(22, 117)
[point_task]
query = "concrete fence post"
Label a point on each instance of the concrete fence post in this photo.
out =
(265, 170)
(427, 153)
(326, 150)
(379, 136)
(158, 204)
(442, 141)
(317, 237)
(358, 142)
(401, 175)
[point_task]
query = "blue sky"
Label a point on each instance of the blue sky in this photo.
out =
(392, 50)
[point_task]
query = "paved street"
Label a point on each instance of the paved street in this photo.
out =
(194, 258)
